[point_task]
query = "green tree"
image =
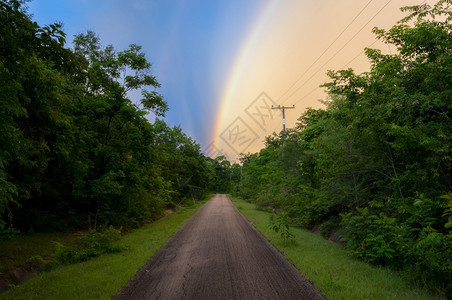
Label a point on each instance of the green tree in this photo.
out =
(184, 166)
(378, 155)
(36, 117)
(76, 151)
(398, 117)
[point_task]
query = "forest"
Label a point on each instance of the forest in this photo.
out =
(374, 166)
(76, 152)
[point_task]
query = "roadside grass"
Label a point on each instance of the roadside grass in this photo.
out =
(18, 251)
(330, 268)
(104, 276)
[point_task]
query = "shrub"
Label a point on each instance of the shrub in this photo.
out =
(376, 239)
(90, 244)
(280, 223)
(430, 258)
(416, 239)
(8, 233)
(326, 228)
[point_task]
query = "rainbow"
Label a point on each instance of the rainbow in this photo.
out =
(235, 75)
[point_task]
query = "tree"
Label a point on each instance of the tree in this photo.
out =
(184, 166)
(35, 118)
(117, 129)
(378, 156)
(398, 119)
(76, 151)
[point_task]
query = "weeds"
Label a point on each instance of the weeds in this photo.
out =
(90, 244)
(280, 223)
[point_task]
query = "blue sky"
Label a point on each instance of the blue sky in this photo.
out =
(220, 62)
(190, 43)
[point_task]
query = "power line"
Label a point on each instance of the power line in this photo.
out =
(308, 94)
(304, 73)
(283, 108)
(316, 88)
(360, 53)
(370, 45)
(337, 52)
(318, 58)
(353, 59)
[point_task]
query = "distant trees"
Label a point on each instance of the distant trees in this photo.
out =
(187, 170)
(377, 161)
(226, 177)
(75, 150)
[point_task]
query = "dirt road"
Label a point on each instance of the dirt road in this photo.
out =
(218, 254)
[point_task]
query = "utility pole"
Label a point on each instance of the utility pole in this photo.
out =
(283, 108)
(241, 175)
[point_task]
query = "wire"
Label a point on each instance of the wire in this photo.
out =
(353, 59)
(315, 89)
(337, 52)
(308, 94)
(318, 58)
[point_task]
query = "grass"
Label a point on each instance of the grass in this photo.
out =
(330, 268)
(103, 277)
(16, 252)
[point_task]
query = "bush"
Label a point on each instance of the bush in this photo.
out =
(377, 239)
(8, 233)
(310, 207)
(280, 223)
(429, 260)
(416, 240)
(89, 245)
(326, 228)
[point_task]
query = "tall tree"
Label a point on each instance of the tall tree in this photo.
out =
(75, 150)
(378, 156)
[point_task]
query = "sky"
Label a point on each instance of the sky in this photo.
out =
(223, 64)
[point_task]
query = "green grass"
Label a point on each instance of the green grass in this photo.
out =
(330, 268)
(102, 277)
(16, 252)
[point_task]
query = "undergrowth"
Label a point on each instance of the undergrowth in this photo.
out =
(89, 245)
(330, 267)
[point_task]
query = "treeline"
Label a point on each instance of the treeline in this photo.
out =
(75, 151)
(227, 176)
(376, 162)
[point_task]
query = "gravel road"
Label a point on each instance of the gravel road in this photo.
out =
(218, 254)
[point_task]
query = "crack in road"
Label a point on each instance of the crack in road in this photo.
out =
(218, 254)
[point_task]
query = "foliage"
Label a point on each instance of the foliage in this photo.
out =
(280, 223)
(329, 267)
(327, 227)
(76, 150)
(90, 244)
(448, 211)
(100, 277)
(226, 176)
(377, 156)
(8, 233)
(374, 238)
(187, 171)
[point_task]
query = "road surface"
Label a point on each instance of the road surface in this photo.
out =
(218, 254)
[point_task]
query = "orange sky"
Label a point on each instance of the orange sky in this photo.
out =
(286, 41)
